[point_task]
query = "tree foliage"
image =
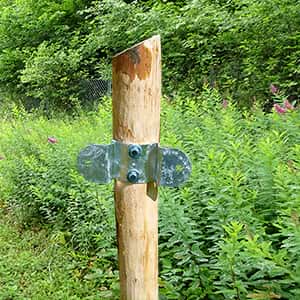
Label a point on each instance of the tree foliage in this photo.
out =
(240, 47)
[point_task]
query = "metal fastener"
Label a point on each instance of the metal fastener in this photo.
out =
(135, 151)
(134, 163)
(133, 176)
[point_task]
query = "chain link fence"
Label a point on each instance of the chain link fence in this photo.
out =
(95, 89)
(89, 93)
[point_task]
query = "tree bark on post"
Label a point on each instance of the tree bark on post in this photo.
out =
(136, 92)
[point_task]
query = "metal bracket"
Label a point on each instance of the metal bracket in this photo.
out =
(134, 163)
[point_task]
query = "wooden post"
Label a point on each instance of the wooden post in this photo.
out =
(136, 119)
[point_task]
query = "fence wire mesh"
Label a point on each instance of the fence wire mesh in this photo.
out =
(94, 89)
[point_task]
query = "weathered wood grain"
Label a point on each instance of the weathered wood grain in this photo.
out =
(136, 119)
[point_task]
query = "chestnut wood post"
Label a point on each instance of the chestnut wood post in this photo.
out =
(136, 89)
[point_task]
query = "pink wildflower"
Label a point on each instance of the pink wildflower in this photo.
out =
(288, 105)
(280, 110)
(225, 103)
(52, 140)
(273, 89)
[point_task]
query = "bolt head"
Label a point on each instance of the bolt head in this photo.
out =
(133, 176)
(135, 151)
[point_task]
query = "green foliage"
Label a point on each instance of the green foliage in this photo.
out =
(244, 190)
(232, 232)
(240, 47)
(31, 34)
(52, 74)
(36, 265)
(45, 187)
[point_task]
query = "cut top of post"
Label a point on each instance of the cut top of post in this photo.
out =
(137, 92)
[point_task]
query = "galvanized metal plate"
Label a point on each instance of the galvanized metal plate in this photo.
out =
(175, 167)
(145, 164)
(134, 163)
(95, 163)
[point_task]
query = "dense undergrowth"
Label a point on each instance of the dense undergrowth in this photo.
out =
(232, 232)
(37, 265)
(48, 49)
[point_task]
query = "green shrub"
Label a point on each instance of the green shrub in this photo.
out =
(234, 214)
(52, 75)
(239, 47)
(43, 185)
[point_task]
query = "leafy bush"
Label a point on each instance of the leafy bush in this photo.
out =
(232, 232)
(52, 75)
(31, 33)
(42, 183)
(239, 47)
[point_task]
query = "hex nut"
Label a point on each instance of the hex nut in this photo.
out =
(133, 176)
(135, 151)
